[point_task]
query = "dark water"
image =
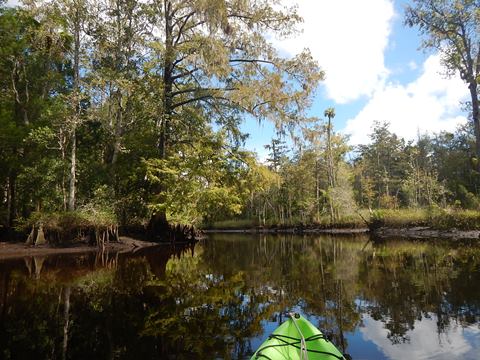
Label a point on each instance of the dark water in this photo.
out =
(221, 298)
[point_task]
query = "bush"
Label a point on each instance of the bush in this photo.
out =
(71, 226)
(434, 217)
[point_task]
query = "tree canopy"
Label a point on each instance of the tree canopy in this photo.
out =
(452, 28)
(140, 102)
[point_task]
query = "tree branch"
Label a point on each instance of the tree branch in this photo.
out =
(185, 73)
(190, 90)
(180, 30)
(199, 98)
(253, 61)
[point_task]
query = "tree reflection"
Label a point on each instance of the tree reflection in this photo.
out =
(212, 300)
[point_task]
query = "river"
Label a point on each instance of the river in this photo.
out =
(222, 297)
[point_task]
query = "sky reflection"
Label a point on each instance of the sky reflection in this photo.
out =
(424, 341)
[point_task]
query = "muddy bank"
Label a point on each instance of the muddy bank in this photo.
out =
(289, 231)
(413, 233)
(425, 233)
(125, 244)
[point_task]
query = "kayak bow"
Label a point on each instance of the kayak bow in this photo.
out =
(297, 339)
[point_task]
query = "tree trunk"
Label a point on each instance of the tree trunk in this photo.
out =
(167, 81)
(161, 216)
(476, 120)
(11, 199)
(64, 177)
(76, 104)
(329, 154)
(317, 189)
(330, 170)
(118, 94)
(73, 168)
(118, 129)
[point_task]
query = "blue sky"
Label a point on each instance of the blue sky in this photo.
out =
(374, 72)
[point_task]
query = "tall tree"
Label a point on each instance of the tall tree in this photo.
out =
(76, 13)
(383, 163)
(32, 68)
(452, 28)
(278, 153)
(71, 17)
(215, 55)
(330, 114)
(118, 39)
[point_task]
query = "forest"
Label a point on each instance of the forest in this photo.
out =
(129, 112)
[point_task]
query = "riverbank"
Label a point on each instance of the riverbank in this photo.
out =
(426, 233)
(383, 233)
(10, 250)
(292, 230)
(430, 223)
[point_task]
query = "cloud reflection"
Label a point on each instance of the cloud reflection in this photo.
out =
(425, 342)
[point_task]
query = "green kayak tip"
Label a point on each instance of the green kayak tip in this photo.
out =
(297, 339)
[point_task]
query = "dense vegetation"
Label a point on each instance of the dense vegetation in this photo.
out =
(134, 107)
(435, 173)
(131, 109)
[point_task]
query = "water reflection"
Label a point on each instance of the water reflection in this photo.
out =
(222, 298)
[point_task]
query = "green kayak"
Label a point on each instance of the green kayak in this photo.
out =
(297, 339)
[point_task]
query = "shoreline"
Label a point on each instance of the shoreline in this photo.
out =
(12, 250)
(426, 233)
(407, 233)
(293, 230)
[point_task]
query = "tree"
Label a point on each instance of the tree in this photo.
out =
(383, 164)
(215, 55)
(330, 114)
(98, 95)
(277, 154)
(118, 39)
(32, 82)
(452, 28)
(70, 18)
(421, 186)
(453, 159)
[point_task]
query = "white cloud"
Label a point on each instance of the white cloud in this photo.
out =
(425, 341)
(428, 104)
(412, 65)
(348, 38)
(13, 3)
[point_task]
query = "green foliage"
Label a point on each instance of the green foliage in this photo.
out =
(436, 170)
(451, 28)
(97, 112)
(204, 183)
(455, 219)
(433, 217)
(128, 121)
(88, 216)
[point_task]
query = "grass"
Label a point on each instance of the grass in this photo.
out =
(434, 217)
(68, 227)
(353, 221)
(232, 224)
(61, 221)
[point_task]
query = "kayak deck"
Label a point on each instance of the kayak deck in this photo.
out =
(286, 343)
